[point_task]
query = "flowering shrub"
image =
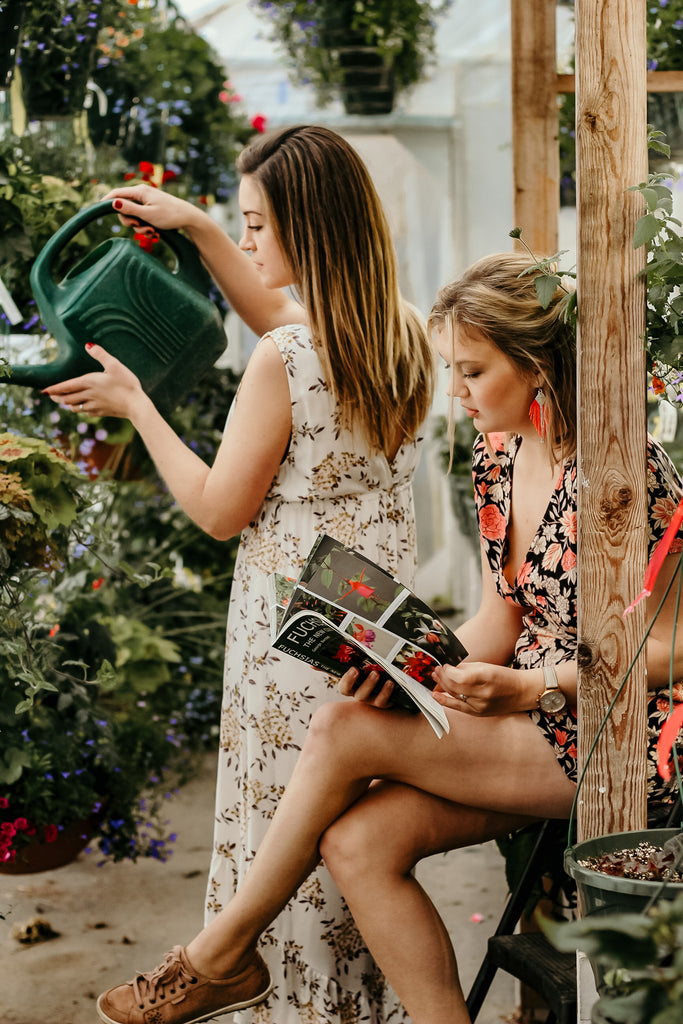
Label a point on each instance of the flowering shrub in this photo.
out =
(110, 676)
(57, 51)
(168, 102)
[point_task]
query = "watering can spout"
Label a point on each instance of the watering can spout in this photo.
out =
(159, 323)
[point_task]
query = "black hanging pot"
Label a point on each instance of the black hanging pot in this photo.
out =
(367, 82)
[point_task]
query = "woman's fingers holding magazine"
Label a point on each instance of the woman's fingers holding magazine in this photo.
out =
(365, 688)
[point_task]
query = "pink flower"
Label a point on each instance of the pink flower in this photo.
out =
(568, 560)
(4, 803)
(20, 824)
(6, 855)
(8, 829)
(51, 833)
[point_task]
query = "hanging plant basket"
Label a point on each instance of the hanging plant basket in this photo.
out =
(11, 16)
(367, 82)
(602, 893)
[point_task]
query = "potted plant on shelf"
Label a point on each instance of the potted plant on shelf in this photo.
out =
(365, 51)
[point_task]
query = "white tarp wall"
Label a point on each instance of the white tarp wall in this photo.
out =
(442, 163)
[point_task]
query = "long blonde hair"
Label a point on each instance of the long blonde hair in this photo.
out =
(497, 296)
(374, 346)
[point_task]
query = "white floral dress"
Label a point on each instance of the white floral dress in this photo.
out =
(329, 483)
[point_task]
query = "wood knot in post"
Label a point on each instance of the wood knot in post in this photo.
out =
(585, 655)
(614, 509)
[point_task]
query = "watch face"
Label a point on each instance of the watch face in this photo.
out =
(552, 701)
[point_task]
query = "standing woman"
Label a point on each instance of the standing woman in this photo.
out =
(324, 436)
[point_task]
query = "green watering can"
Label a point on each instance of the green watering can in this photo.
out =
(159, 323)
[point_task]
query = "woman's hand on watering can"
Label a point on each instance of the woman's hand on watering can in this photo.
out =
(142, 202)
(115, 392)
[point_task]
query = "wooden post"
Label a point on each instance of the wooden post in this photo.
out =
(535, 151)
(611, 156)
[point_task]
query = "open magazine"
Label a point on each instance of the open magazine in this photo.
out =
(344, 611)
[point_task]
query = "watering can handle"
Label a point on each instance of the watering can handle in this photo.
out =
(190, 268)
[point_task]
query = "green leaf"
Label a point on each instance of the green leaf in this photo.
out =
(647, 228)
(546, 286)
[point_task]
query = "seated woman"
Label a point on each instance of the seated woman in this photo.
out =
(374, 791)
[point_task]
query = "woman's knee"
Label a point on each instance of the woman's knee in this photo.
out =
(350, 849)
(334, 725)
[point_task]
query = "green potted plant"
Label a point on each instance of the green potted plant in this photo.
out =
(366, 51)
(640, 956)
(167, 101)
(80, 757)
(58, 52)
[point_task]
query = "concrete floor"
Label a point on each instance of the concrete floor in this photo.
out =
(119, 918)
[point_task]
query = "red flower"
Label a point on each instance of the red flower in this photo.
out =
(658, 385)
(561, 736)
(96, 584)
(6, 855)
(168, 176)
(146, 242)
(146, 167)
(51, 833)
(20, 824)
(54, 630)
(4, 803)
(8, 829)
(129, 176)
(344, 653)
(491, 522)
(258, 122)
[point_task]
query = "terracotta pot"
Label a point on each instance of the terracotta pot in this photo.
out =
(41, 856)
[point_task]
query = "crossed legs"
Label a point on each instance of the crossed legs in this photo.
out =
(482, 779)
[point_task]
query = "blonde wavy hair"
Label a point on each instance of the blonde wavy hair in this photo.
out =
(374, 346)
(497, 296)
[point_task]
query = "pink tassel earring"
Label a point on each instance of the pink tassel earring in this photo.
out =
(538, 413)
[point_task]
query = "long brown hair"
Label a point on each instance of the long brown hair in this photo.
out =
(374, 346)
(497, 296)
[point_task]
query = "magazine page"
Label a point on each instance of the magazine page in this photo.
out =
(337, 581)
(311, 637)
(280, 589)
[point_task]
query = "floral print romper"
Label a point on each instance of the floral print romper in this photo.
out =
(327, 483)
(546, 584)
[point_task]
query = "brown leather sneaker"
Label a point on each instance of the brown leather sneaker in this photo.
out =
(174, 993)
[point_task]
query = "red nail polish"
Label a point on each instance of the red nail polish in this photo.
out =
(117, 204)
(88, 344)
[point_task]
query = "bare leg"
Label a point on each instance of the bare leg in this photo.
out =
(495, 764)
(370, 852)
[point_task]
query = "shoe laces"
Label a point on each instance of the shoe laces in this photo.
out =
(172, 974)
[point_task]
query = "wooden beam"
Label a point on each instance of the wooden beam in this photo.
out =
(535, 150)
(612, 527)
(657, 81)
